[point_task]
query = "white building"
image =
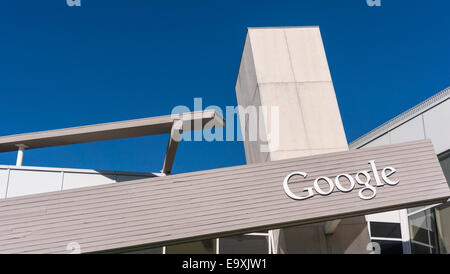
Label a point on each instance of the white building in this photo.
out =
(244, 209)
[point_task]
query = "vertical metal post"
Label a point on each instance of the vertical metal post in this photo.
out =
(217, 246)
(272, 242)
(404, 226)
(20, 154)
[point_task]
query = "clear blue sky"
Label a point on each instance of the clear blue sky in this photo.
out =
(115, 60)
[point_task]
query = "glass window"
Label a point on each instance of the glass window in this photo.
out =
(244, 244)
(419, 234)
(385, 230)
(422, 227)
(443, 227)
(200, 247)
(156, 250)
(417, 248)
(414, 209)
(390, 247)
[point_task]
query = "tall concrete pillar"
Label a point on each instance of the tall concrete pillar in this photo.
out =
(286, 71)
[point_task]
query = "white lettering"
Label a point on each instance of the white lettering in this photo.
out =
(365, 183)
(362, 178)
(319, 190)
(339, 185)
(385, 176)
(289, 192)
(375, 173)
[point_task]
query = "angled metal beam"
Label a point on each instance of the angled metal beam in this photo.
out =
(174, 139)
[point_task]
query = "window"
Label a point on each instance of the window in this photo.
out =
(388, 236)
(443, 227)
(422, 229)
(200, 247)
(442, 212)
(252, 243)
(156, 250)
(385, 230)
(390, 247)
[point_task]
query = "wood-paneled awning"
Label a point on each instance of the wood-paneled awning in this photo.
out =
(215, 203)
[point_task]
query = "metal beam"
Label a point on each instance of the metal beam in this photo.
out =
(174, 139)
(20, 152)
(110, 131)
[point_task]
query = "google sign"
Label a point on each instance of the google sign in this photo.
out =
(362, 178)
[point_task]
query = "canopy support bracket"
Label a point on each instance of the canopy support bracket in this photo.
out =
(174, 139)
(331, 226)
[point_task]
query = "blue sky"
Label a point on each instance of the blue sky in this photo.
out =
(115, 60)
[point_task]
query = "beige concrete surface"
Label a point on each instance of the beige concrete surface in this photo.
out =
(287, 68)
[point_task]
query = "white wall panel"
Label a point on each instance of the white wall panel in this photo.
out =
(380, 141)
(3, 182)
(126, 178)
(409, 131)
(437, 126)
(385, 217)
(23, 182)
(75, 180)
(33, 180)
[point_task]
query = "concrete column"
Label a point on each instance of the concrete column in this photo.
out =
(286, 71)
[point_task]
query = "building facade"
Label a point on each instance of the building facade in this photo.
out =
(245, 209)
(420, 229)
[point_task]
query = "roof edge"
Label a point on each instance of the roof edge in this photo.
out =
(401, 118)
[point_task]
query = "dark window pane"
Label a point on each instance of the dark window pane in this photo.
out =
(243, 244)
(157, 250)
(201, 247)
(419, 249)
(422, 226)
(433, 238)
(390, 247)
(420, 234)
(385, 230)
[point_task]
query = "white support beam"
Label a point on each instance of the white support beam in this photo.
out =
(331, 226)
(404, 227)
(111, 131)
(20, 152)
(174, 139)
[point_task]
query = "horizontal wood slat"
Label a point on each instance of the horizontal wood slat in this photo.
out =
(212, 203)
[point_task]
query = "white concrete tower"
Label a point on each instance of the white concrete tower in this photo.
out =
(287, 68)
